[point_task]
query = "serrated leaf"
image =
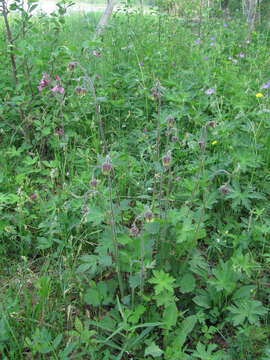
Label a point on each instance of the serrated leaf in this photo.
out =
(170, 315)
(187, 283)
(186, 327)
(92, 297)
(95, 216)
(78, 325)
(153, 350)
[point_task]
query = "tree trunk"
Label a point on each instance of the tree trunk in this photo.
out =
(104, 19)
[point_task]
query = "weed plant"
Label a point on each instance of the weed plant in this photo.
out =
(134, 187)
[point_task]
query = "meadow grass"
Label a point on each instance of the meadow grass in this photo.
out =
(174, 198)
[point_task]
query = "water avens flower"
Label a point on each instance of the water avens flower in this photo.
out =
(209, 91)
(170, 121)
(174, 138)
(80, 91)
(106, 167)
(148, 216)
(71, 66)
(134, 231)
(166, 159)
(58, 87)
(212, 124)
(93, 183)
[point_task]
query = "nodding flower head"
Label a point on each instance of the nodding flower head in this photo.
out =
(154, 93)
(71, 66)
(93, 183)
(166, 159)
(106, 167)
(224, 189)
(212, 124)
(134, 231)
(148, 216)
(80, 91)
(170, 121)
(174, 138)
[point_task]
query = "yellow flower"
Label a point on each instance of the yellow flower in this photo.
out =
(259, 95)
(226, 232)
(214, 142)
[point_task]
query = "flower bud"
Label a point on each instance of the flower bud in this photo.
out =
(170, 121)
(71, 66)
(224, 190)
(166, 160)
(148, 216)
(93, 183)
(134, 231)
(212, 124)
(174, 138)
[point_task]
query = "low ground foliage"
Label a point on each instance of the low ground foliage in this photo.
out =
(134, 177)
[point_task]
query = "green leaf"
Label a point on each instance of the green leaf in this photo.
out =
(186, 327)
(95, 215)
(162, 281)
(153, 350)
(187, 283)
(135, 316)
(250, 310)
(92, 297)
(203, 300)
(78, 325)
(170, 315)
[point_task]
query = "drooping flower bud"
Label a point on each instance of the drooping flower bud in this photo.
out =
(170, 121)
(174, 138)
(106, 167)
(134, 231)
(148, 216)
(93, 183)
(71, 66)
(224, 190)
(166, 160)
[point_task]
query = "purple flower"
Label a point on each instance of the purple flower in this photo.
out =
(229, 58)
(248, 42)
(240, 45)
(212, 44)
(97, 53)
(265, 86)
(206, 58)
(142, 63)
(58, 87)
(44, 82)
(209, 91)
(212, 38)
(235, 61)
(198, 41)
(225, 25)
(43, 32)
(241, 55)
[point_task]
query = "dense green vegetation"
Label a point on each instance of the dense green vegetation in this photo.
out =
(134, 187)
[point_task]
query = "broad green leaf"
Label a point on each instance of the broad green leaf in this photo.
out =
(153, 350)
(187, 283)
